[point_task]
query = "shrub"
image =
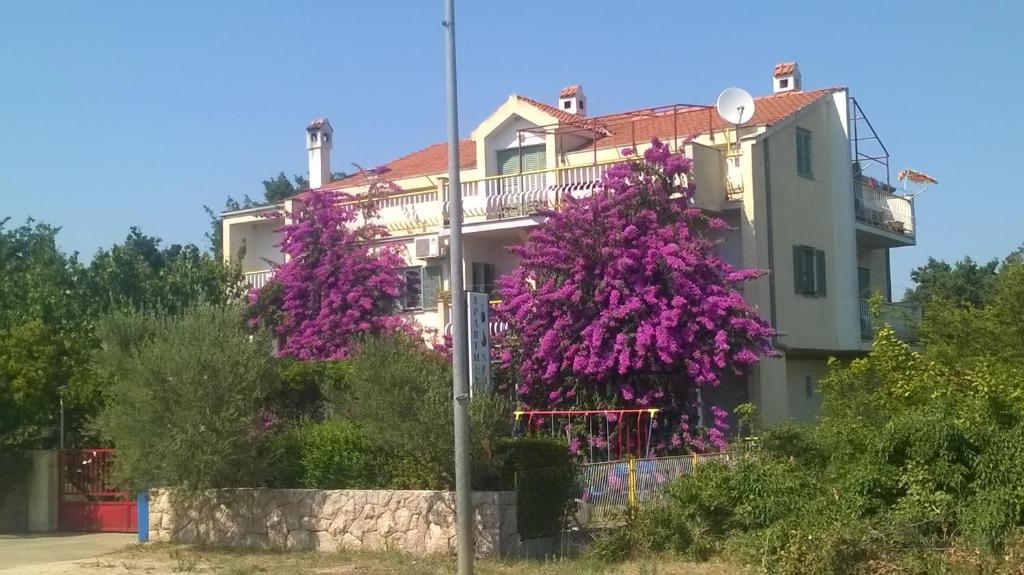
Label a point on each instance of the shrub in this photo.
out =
(543, 475)
(304, 387)
(400, 394)
(184, 409)
(333, 454)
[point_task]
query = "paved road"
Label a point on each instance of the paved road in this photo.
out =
(19, 553)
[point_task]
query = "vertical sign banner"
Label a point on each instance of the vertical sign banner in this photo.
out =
(479, 342)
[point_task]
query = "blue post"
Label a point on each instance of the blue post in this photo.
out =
(142, 506)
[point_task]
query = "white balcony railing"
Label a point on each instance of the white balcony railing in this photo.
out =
(258, 279)
(879, 207)
(492, 198)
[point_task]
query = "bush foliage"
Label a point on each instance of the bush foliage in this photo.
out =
(185, 406)
(913, 466)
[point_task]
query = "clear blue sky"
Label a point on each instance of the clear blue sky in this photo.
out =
(115, 114)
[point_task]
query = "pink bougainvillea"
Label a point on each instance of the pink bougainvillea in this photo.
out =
(339, 280)
(620, 299)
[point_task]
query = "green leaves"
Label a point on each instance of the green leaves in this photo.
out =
(184, 407)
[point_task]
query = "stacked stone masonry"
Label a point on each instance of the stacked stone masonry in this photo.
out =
(418, 522)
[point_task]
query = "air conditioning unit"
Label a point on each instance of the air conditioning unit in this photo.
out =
(430, 247)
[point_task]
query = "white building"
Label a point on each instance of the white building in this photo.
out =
(804, 184)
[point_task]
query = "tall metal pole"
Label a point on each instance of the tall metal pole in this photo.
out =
(460, 325)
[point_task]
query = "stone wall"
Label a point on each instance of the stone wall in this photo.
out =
(419, 522)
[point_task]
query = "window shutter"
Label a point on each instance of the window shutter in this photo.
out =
(819, 270)
(534, 158)
(431, 286)
(803, 152)
(799, 273)
(508, 161)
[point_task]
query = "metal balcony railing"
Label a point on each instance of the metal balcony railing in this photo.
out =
(902, 317)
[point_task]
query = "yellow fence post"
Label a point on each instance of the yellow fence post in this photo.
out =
(631, 465)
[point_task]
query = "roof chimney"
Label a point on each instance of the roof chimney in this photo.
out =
(572, 99)
(318, 142)
(787, 77)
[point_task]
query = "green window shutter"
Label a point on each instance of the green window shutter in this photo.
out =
(819, 271)
(431, 286)
(799, 273)
(803, 153)
(508, 161)
(534, 158)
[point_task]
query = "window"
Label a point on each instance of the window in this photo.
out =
(809, 271)
(808, 386)
(804, 165)
(534, 158)
(864, 283)
(483, 278)
(784, 83)
(567, 104)
(422, 288)
(413, 297)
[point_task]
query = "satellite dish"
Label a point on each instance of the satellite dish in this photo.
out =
(735, 106)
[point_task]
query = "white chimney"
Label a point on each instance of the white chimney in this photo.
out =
(572, 99)
(318, 141)
(786, 77)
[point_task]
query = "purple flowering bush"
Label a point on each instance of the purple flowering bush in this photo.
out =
(339, 281)
(620, 300)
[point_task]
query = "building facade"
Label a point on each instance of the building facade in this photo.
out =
(804, 185)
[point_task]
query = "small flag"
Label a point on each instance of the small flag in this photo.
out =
(916, 177)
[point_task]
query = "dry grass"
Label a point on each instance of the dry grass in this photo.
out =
(163, 559)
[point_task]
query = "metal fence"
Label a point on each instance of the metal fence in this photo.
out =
(607, 490)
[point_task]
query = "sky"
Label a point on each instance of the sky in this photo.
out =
(116, 113)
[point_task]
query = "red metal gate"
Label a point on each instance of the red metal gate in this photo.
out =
(89, 498)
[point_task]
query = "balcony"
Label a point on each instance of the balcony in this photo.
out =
(502, 198)
(884, 219)
(519, 195)
(257, 279)
(903, 318)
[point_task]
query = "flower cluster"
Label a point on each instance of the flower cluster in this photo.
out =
(337, 282)
(620, 299)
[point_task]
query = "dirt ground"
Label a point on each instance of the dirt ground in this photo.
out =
(163, 559)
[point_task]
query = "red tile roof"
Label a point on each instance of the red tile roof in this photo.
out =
(430, 160)
(569, 91)
(617, 130)
(640, 127)
(560, 115)
(784, 69)
(317, 123)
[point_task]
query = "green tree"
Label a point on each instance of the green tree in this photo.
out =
(138, 274)
(45, 336)
(185, 408)
(966, 283)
